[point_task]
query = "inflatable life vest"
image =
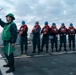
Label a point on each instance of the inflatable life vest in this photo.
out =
(35, 28)
(71, 30)
(54, 29)
(63, 29)
(45, 29)
(22, 29)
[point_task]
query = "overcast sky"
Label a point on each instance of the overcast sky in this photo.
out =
(57, 11)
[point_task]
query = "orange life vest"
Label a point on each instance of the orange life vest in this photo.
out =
(23, 28)
(54, 29)
(63, 29)
(35, 28)
(45, 29)
(71, 30)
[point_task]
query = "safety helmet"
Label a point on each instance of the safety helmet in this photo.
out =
(46, 23)
(23, 22)
(36, 22)
(71, 24)
(53, 24)
(62, 24)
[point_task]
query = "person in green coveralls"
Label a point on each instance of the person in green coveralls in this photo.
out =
(9, 35)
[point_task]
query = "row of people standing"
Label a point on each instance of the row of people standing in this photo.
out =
(48, 32)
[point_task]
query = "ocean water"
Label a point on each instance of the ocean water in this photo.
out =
(30, 36)
(1, 42)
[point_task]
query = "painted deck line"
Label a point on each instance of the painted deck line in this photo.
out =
(3, 69)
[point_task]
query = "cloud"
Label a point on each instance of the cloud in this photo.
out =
(57, 11)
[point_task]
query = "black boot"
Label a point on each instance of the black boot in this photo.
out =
(46, 50)
(65, 49)
(7, 65)
(38, 52)
(21, 52)
(70, 48)
(59, 49)
(25, 51)
(34, 51)
(10, 70)
(73, 49)
(52, 50)
(41, 50)
(56, 50)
